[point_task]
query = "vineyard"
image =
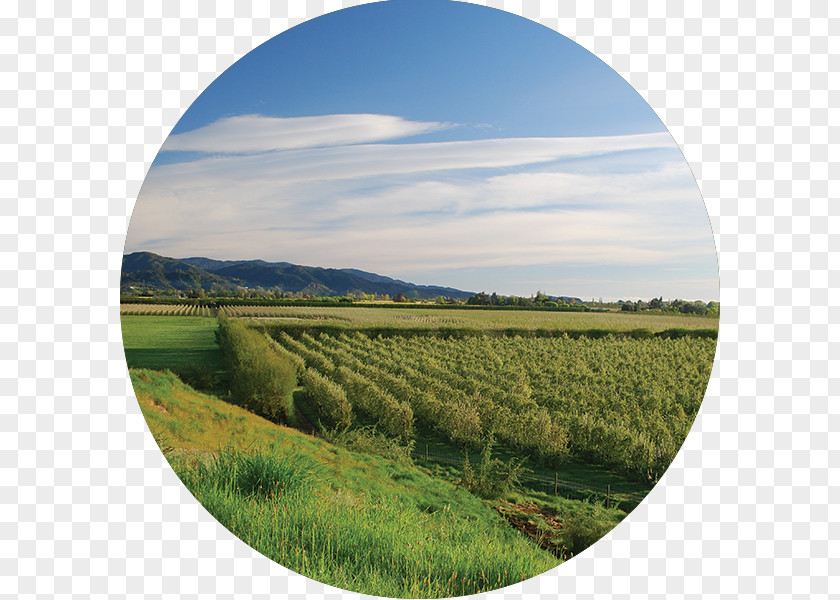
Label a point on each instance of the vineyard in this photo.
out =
(167, 310)
(624, 403)
(358, 317)
(624, 398)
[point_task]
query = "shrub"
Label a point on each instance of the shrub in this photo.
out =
(584, 528)
(261, 379)
(492, 478)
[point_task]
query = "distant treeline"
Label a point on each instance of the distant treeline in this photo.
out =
(686, 307)
(539, 300)
(481, 301)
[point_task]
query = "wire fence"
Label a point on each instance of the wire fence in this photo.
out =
(554, 485)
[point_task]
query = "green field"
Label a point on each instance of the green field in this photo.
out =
(174, 343)
(357, 317)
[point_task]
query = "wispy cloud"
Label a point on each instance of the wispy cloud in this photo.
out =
(371, 160)
(246, 134)
(411, 209)
(654, 189)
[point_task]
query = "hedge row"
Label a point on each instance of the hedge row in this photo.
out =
(262, 380)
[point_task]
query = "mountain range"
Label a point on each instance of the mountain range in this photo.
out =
(145, 270)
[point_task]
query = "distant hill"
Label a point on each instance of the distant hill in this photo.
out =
(148, 270)
(144, 269)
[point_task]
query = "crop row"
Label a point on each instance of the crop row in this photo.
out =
(625, 403)
(167, 310)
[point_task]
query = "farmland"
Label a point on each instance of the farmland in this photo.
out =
(180, 310)
(625, 403)
(359, 317)
(426, 318)
(177, 344)
(532, 414)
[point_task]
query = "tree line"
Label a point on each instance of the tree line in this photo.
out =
(686, 307)
(538, 300)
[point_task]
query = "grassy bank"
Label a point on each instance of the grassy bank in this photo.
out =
(355, 521)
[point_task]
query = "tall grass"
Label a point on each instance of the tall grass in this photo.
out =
(366, 543)
(259, 474)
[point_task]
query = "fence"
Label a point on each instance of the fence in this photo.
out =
(550, 484)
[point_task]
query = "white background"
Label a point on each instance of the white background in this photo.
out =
(88, 93)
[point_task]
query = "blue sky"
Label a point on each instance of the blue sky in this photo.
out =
(437, 142)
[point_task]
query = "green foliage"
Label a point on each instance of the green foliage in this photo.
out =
(623, 402)
(312, 360)
(395, 417)
(261, 379)
(296, 360)
(260, 473)
(354, 521)
(369, 441)
(584, 527)
(180, 417)
(329, 398)
(492, 478)
(448, 321)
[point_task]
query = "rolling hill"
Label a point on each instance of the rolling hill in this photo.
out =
(147, 270)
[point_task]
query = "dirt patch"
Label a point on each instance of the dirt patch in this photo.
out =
(149, 402)
(541, 526)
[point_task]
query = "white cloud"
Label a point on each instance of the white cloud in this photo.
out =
(391, 246)
(373, 160)
(649, 190)
(428, 208)
(634, 289)
(307, 187)
(246, 134)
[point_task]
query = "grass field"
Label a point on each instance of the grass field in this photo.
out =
(184, 345)
(355, 521)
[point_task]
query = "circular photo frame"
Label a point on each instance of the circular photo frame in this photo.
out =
(419, 299)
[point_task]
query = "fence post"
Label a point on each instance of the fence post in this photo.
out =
(555, 483)
(608, 495)
(427, 451)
